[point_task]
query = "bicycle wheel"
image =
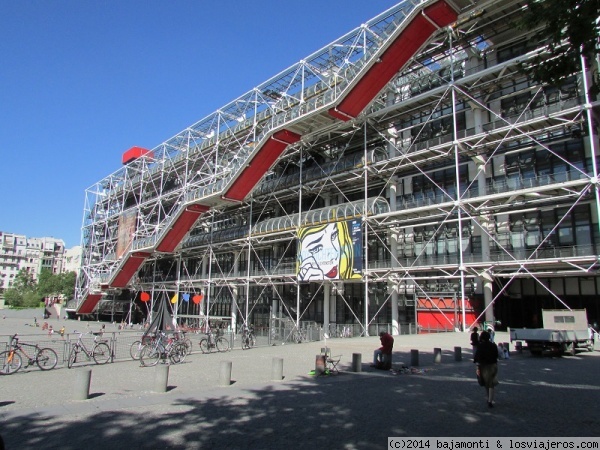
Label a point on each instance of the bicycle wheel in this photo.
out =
(222, 344)
(47, 359)
(73, 356)
(188, 345)
(135, 350)
(101, 353)
(10, 362)
(149, 356)
(204, 346)
(177, 353)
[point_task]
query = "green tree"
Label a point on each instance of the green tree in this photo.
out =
(49, 284)
(67, 284)
(570, 29)
(23, 291)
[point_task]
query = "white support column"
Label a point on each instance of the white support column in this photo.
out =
(393, 240)
(235, 295)
(485, 220)
(326, 300)
(235, 291)
(327, 287)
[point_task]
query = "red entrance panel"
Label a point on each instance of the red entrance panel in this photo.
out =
(436, 321)
(393, 59)
(259, 165)
(180, 227)
(130, 265)
(443, 313)
(89, 303)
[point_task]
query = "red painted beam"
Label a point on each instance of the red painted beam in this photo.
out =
(180, 227)
(89, 303)
(260, 164)
(393, 59)
(129, 267)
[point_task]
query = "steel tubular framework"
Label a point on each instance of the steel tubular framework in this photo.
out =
(474, 185)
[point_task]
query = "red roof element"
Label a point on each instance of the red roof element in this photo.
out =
(131, 263)
(393, 59)
(260, 164)
(89, 303)
(180, 227)
(134, 153)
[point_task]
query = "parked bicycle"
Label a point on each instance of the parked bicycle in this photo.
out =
(11, 360)
(165, 348)
(346, 332)
(180, 336)
(300, 336)
(248, 337)
(100, 352)
(214, 342)
(274, 334)
(135, 349)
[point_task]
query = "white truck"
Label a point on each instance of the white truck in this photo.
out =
(565, 331)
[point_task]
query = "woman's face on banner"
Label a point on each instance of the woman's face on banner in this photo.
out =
(324, 247)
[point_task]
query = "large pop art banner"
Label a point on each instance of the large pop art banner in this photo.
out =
(127, 222)
(332, 251)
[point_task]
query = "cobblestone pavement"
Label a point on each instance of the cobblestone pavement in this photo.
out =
(538, 396)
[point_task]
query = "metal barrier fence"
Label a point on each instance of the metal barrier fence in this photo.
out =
(120, 342)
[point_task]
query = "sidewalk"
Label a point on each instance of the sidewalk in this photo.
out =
(536, 397)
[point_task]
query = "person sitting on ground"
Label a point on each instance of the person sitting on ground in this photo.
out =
(382, 357)
(500, 351)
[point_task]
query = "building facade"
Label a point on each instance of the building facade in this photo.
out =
(408, 176)
(72, 261)
(32, 254)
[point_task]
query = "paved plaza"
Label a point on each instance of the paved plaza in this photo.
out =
(538, 396)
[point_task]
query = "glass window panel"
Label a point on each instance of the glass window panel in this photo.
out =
(517, 240)
(533, 238)
(452, 245)
(441, 246)
(584, 235)
(565, 236)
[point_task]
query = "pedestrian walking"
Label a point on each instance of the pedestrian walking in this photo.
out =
(474, 340)
(486, 358)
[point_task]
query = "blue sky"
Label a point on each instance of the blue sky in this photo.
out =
(82, 81)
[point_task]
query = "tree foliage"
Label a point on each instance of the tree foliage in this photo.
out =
(26, 293)
(570, 30)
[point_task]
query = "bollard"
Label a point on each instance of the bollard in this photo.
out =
(457, 353)
(82, 384)
(319, 364)
(277, 369)
(414, 358)
(161, 378)
(225, 373)
(437, 355)
(356, 362)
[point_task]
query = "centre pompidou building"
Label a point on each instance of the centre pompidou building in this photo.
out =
(408, 176)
